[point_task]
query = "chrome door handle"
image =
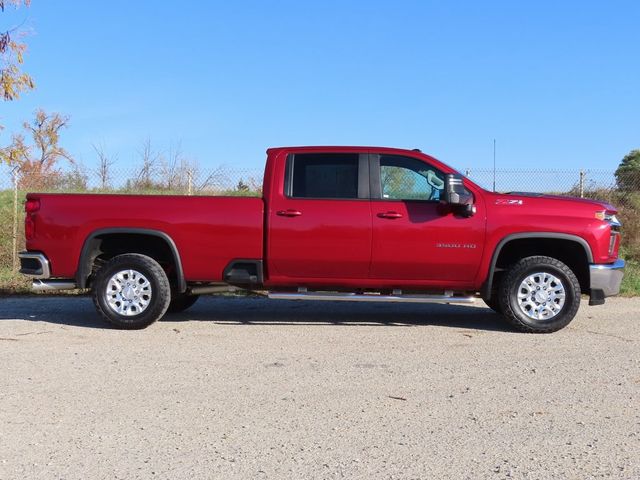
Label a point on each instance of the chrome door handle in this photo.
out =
(390, 215)
(288, 213)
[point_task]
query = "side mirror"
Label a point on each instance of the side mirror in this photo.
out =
(457, 196)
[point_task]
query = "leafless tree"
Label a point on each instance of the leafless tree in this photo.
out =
(150, 159)
(174, 168)
(216, 180)
(104, 166)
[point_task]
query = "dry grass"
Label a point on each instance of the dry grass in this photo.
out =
(628, 205)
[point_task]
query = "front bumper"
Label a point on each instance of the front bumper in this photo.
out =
(605, 280)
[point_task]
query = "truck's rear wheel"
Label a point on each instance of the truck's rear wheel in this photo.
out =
(180, 302)
(131, 291)
(539, 295)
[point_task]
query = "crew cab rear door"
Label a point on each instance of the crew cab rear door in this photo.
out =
(319, 225)
(413, 238)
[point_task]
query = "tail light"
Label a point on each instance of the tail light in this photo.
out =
(29, 228)
(31, 207)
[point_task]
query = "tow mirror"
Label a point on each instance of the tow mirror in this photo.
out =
(457, 196)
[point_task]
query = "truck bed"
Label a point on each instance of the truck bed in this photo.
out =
(208, 232)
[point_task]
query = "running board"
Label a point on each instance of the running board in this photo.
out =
(368, 297)
(48, 285)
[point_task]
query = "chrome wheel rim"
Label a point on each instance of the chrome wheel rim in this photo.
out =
(128, 293)
(541, 296)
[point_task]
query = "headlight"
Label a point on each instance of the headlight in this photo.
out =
(609, 217)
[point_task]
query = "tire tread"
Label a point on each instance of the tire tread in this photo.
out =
(161, 295)
(512, 276)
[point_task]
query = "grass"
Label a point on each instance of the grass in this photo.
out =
(6, 227)
(631, 281)
(12, 283)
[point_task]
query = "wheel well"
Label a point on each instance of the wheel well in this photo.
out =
(569, 252)
(100, 248)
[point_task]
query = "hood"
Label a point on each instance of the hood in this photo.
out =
(513, 196)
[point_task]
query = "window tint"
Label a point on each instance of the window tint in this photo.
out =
(405, 178)
(321, 175)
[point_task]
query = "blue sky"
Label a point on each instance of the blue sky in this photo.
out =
(556, 83)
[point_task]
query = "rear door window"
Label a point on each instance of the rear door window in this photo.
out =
(323, 175)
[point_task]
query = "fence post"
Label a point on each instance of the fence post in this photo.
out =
(15, 173)
(467, 173)
(190, 180)
(582, 175)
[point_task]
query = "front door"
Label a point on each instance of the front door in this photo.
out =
(413, 238)
(320, 225)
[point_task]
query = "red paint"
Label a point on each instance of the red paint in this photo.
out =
(442, 246)
(344, 244)
(208, 231)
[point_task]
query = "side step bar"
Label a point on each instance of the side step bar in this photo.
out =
(368, 297)
(49, 285)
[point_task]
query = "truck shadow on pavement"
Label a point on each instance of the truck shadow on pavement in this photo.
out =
(261, 311)
(79, 311)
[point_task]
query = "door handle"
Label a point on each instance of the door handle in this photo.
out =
(390, 215)
(288, 213)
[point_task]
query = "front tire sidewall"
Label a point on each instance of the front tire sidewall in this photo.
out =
(511, 285)
(160, 291)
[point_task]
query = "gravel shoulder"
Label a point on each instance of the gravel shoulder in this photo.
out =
(249, 388)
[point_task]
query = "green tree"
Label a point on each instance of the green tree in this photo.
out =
(13, 81)
(397, 182)
(628, 172)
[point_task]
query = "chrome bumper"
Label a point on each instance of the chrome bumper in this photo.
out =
(606, 278)
(34, 264)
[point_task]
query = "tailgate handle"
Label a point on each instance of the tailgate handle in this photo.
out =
(289, 213)
(390, 215)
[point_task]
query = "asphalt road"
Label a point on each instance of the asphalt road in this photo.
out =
(243, 388)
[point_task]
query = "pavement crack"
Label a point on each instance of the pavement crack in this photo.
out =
(624, 339)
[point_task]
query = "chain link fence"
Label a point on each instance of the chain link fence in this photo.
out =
(563, 182)
(623, 192)
(153, 181)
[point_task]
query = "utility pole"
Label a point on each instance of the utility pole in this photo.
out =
(15, 172)
(494, 164)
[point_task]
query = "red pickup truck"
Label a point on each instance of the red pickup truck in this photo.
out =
(362, 224)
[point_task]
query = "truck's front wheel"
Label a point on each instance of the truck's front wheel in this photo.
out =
(539, 295)
(131, 291)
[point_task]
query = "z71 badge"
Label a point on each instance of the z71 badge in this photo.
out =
(508, 201)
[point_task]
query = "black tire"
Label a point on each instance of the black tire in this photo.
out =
(493, 303)
(152, 299)
(516, 278)
(180, 302)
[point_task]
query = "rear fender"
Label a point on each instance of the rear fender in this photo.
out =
(90, 251)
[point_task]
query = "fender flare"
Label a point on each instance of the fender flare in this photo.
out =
(486, 289)
(84, 262)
